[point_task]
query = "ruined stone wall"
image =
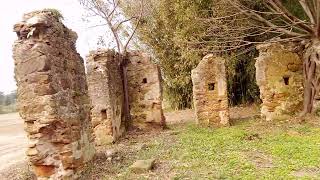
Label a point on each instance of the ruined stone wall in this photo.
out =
(210, 95)
(280, 79)
(145, 92)
(107, 96)
(52, 97)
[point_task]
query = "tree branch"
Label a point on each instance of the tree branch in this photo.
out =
(135, 28)
(307, 10)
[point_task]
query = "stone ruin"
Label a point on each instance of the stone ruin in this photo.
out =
(145, 91)
(52, 97)
(107, 96)
(106, 89)
(210, 94)
(279, 76)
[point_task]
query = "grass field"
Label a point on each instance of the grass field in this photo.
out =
(250, 149)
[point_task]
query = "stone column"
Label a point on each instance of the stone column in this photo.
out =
(52, 96)
(107, 96)
(210, 95)
(280, 79)
(145, 91)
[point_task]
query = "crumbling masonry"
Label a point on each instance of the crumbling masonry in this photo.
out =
(106, 89)
(107, 96)
(52, 97)
(145, 91)
(280, 79)
(210, 95)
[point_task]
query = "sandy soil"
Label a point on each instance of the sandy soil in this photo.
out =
(13, 142)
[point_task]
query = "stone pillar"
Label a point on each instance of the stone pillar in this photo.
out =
(145, 91)
(52, 96)
(280, 79)
(210, 94)
(107, 96)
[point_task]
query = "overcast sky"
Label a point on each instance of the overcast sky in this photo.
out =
(12, 11)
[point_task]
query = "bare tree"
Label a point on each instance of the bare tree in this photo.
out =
(113, 19)
(110, 12)
(279, 24)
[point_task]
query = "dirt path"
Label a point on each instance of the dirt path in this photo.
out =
(13, 141)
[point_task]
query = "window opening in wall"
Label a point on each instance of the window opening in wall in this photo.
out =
(144, 81)
(211, 86)
(104, 114)
(286, 80)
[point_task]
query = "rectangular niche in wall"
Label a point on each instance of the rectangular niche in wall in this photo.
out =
(211, 86)
(286, 80)
(144, 80)
(103, 114)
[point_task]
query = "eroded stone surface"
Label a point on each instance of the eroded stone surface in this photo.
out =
(106, 89)
(210, 95)
(145, 91)
(107, 96)
(52, 97)
(280, 79)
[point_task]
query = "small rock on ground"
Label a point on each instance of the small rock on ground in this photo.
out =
(141, 166)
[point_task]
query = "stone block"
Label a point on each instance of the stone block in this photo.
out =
(56, 115)
(279, 76)
(210, 95)
(106, 88)
(145, 91)
(107, 96)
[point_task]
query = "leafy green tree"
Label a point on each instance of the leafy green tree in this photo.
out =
(177, 32)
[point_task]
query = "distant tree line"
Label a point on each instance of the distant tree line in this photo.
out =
(8, 102)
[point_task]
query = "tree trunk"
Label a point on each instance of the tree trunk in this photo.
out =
(122, 58)
(311, 76)
(124, 62)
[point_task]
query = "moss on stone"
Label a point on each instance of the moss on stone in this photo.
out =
(274, 65)
(55, 12)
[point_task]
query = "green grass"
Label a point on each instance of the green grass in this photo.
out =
(250, 149)
(227, 153)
